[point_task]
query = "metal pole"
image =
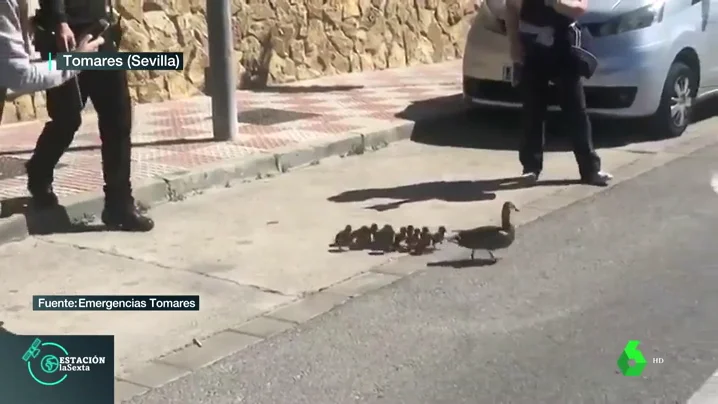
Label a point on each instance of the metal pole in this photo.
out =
(223, 75)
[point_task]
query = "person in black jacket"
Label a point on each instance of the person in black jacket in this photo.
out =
(542, 34)
(109, 93)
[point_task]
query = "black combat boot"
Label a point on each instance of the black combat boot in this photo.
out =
(122, 214)
(599, 178)
(39, 184)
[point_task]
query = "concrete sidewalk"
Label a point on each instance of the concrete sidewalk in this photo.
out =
(257, 254)
(280, 128)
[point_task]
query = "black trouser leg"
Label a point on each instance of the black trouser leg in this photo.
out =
(111, 97)
(573, 108)
(64, 108)
(534, 88)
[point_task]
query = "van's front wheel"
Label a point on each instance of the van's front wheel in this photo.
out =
(674, 112)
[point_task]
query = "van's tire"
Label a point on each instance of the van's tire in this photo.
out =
(679, 91)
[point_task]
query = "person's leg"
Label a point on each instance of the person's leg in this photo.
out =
(64, 108)
(3, 96)
(573, 107)
(111, 98)
(534, 89)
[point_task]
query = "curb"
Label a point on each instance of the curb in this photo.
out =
(175, 187)
(707, 393)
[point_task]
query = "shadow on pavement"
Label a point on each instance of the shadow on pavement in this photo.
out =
(47, 221)
(705, 110)
(496, 129)
(422, 111)
(4, 330)
(499, 129)
(464, 263)
(447, 191)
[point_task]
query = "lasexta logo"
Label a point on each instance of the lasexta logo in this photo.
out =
(631, 362)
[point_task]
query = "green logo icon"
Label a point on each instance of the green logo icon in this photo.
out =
(48, 365)
(631, 354)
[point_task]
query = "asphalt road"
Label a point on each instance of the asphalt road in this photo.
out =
(544, 325)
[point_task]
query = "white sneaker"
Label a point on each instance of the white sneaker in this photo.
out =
(528, 178)
(600, 178)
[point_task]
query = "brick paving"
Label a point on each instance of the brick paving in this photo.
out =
(176, 136)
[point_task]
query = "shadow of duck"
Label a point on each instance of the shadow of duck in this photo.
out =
(463, 263)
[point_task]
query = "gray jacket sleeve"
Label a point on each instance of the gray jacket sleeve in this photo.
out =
(17, 71)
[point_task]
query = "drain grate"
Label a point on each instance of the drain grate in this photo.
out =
(11, 167)
(271, 116)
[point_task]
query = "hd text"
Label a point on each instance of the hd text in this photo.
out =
(115, 303)
(118, 61)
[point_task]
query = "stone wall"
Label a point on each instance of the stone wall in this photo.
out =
(278, 41)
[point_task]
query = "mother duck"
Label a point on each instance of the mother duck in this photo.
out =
(489, 238)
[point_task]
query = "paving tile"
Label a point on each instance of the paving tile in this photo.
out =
(266, 143)
(175, 136)
(225, 151)
(186, 160)
(331, 127)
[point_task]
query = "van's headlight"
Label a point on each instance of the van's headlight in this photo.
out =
(491, 16)
(644, 17)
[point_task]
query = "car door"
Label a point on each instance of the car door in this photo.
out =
(709, 26)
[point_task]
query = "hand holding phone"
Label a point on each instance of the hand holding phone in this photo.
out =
(92, 38)
(98, 28)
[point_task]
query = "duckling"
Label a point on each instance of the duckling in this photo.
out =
(367, 238)
(343, 238)
(373, 229)
(409, 240)
(424, 241)
(412, 239)
(399, 239)
(384, 239)
(361, 238)
(438, 237)
(489, 238)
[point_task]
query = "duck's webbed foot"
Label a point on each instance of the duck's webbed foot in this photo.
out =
(472, 254)
(493, 257)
